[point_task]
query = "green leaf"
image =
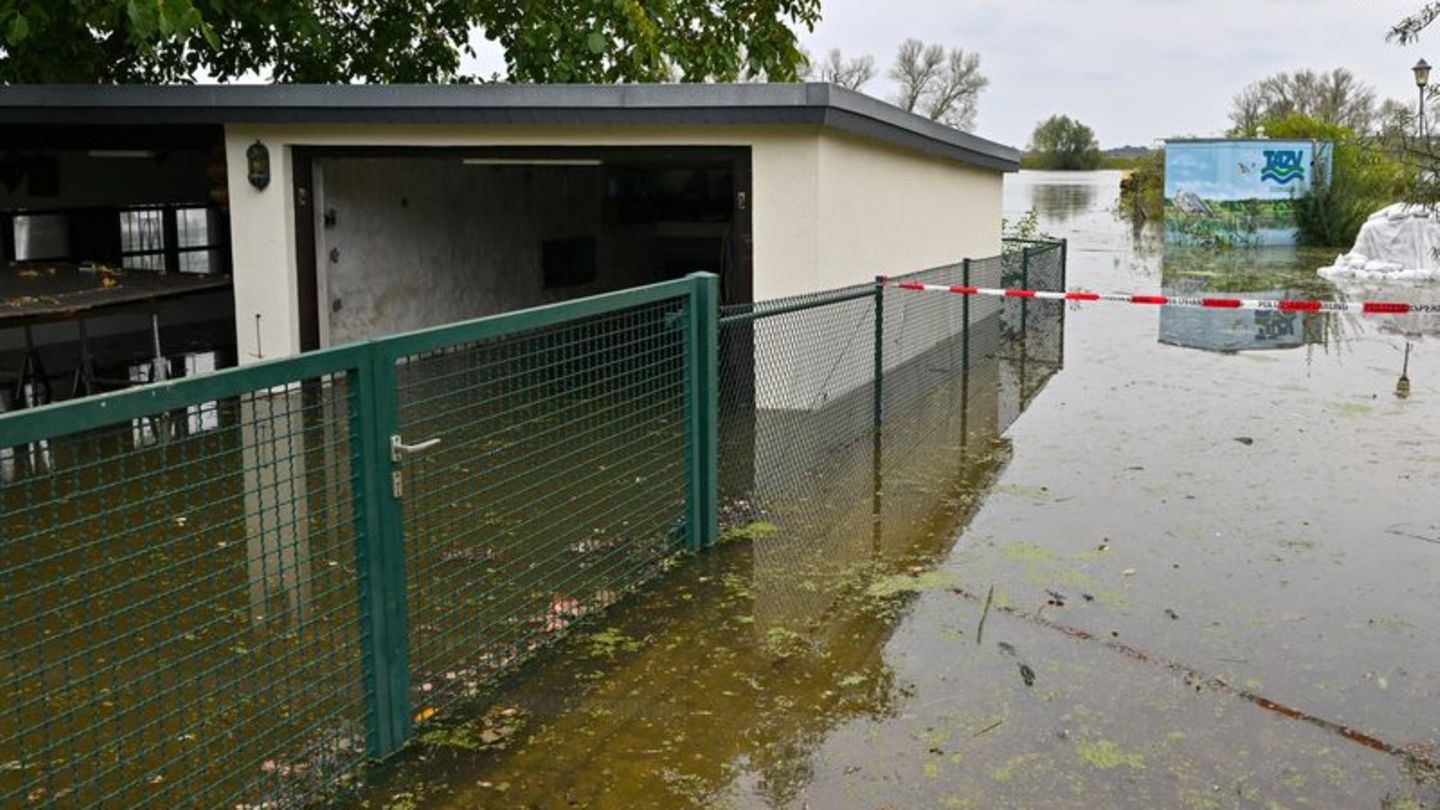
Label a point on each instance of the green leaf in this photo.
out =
(596, 42)
(143, 16)
(19, 29)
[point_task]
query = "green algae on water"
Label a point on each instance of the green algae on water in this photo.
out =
(906, 583)
(1104, 755)
(1028, 552)
(755, 530)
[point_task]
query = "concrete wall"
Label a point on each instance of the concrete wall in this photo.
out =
(826, 209)
(886, 211)
(422, 242)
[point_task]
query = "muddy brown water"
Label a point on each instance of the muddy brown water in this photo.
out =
(1210, 576)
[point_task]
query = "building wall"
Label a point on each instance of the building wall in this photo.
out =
(1238, 192)
(785, 190)
(882, 211)
(826, 210)
(886, 211)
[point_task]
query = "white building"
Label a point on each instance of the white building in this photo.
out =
(379, 209)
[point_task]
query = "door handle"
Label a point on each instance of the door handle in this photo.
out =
(399, 449)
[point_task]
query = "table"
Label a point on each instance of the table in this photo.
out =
(33, 293)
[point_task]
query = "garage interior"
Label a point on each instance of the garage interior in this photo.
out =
(112, 239)
(404, 239)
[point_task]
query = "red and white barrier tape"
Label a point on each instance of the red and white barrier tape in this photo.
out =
(1277, 304)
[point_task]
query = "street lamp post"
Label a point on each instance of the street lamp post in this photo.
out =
(1422, 78)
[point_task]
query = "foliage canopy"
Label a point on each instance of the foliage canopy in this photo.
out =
(161, 41)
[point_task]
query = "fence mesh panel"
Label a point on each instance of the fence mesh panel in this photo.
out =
(188, 593)
(179, 606)
(558, 486)
(1033, 328)
(797, 381)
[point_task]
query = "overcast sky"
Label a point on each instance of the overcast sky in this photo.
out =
(1134, 70)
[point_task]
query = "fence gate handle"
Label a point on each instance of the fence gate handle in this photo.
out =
(399, 449)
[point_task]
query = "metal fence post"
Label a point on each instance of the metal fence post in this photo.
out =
(702, 502)
(1064, 270)
(380, 557)
(879, 373)
(1024, 285)
(965, 329)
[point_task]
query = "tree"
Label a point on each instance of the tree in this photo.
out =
(1394, 122)
(1336, 97)
(1247, 111)
(105, 41)
(836, 69)
(1060, 142)
(1408, 29)
(1361, 179)
(943, 85)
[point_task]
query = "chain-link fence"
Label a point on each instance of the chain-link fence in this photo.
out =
(805, 381)
(231, 590)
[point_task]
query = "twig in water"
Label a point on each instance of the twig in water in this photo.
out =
(980, 631)
(991, 727)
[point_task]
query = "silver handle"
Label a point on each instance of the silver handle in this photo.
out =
(399, 449)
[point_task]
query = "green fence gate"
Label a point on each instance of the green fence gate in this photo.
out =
(232, 590)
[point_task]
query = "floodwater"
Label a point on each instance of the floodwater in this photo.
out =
(1196, 568)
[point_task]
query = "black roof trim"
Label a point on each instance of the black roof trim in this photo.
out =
(811, 104)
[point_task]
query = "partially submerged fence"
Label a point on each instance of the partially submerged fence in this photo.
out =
(232, 590)
(805, 380)
(241, 614)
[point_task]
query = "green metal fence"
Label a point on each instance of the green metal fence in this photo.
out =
(805, 381)
(231, 590)
(234, 589)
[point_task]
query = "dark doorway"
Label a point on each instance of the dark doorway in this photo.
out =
(402, 238)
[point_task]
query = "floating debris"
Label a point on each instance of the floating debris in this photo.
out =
(1027, 675)
(980, 630)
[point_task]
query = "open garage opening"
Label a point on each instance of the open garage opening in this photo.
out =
(405, 239)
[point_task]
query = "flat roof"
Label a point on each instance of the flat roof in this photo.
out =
(1241, 140)
(813, 104)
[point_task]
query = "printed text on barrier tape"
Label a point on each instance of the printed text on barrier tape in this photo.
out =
(1282, 305)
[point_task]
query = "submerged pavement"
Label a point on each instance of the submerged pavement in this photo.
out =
(1180, 578)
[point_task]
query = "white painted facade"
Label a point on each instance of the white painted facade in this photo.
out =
(829, 208)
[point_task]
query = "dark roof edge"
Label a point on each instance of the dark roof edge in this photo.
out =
(729, 104)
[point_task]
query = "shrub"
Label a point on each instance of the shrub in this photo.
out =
(1142, 191)
(1363, 178)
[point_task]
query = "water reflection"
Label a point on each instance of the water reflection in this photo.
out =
(722, 681)
(1062, 201)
